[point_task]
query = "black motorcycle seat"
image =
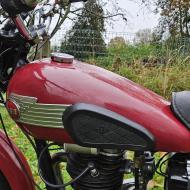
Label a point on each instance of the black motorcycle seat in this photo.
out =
(181, 107)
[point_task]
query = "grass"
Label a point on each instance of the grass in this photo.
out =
(163, 75)
(163, 79)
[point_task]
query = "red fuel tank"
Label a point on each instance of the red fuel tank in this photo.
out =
(40, 92)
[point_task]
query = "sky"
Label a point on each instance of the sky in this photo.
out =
(139, 17)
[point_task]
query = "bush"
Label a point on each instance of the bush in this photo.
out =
(172, 75)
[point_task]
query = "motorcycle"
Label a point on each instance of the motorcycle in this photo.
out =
(82, 115)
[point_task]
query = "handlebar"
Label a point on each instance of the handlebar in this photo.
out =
(14, 7)
(22, 28)
(37, 33)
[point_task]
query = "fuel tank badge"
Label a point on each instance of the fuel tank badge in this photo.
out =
(26, 110)
(13, 109)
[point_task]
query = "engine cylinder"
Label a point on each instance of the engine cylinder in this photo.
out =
(177, 172)
(107, 175)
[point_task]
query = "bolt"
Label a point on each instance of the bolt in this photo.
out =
(94, 173)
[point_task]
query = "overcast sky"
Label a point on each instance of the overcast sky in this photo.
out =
(139, 17)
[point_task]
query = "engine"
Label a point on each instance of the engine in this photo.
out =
(106, 168)
(178, 172)
(107, 173)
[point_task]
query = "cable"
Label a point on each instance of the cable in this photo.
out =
(36, 51)
(29, 139)
(88, 168)
(160, 160)
(5, 51)
(160, 164)
(16, 155)
(57, 24)
(162, 174)
(2, 101)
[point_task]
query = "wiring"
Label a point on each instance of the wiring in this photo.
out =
(159, 165)
(36, 51)
(5, 51)
(29, 139)
(162, 164)
(2, 101)
(160, 160)
(89, 167)
(1, 22)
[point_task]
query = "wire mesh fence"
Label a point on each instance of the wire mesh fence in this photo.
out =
(62, 35)
(180, 44)
(84, 44)
(89, 43)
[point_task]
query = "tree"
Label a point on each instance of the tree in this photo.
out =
(86, 36)
(175, 17)
(117, 42)
(143, 36)
(117, 46)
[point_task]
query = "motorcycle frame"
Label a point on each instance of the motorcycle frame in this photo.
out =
(16, 176)
(20, 178)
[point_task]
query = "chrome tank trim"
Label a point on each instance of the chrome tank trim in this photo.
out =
(38, 114)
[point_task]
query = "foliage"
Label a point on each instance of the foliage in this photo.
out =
(130, 53)
(117, 42)
(143, 36)
(161, 77)
(87, 32)
(181, 44)
(175, 17)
